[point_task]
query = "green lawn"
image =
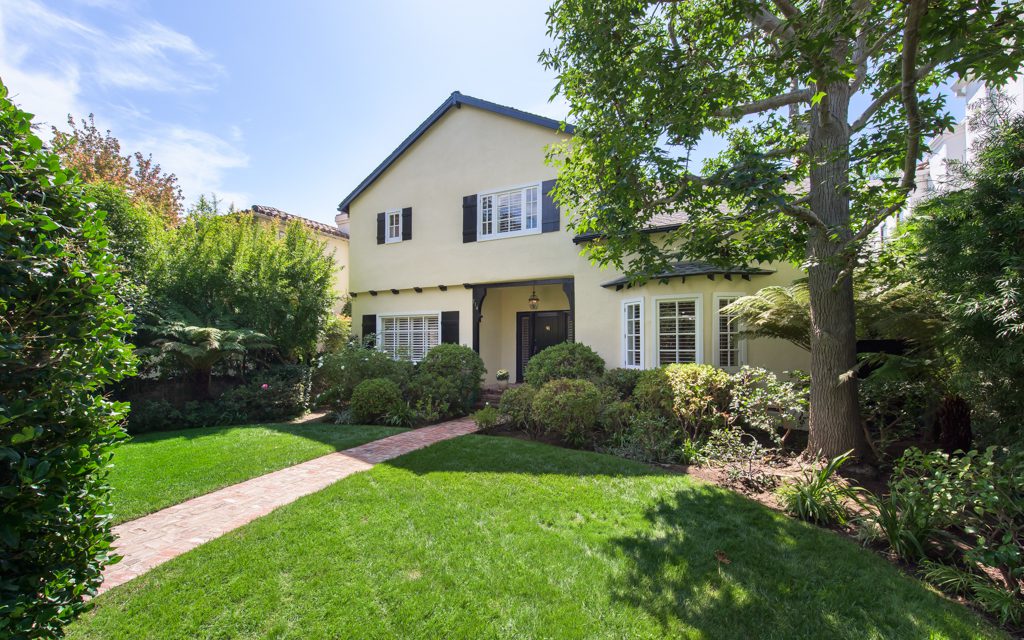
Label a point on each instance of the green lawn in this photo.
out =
(484, 537)
(156, 470)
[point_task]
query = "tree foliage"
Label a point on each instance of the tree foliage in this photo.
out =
(802, 176)
(96, 156)
(62, 341)
(231, 271)
(967, 248)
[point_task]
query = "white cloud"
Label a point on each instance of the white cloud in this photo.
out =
(47, 60)
(198, 158)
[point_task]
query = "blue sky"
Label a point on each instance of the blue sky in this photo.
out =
(284, 104)
(265, 102)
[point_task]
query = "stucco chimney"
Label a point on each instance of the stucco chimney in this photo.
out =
(341, 219)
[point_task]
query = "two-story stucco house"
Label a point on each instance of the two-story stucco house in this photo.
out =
(454, 238)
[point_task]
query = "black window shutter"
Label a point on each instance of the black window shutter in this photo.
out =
(549, 209)
(469, 218)
(407, 223)
(380, 228)
(369, 325)
(450, 327)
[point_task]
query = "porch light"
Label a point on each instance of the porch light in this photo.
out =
(534, 300)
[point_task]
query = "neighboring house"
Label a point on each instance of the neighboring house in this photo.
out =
(935, 173)
(456, 239)
(335, 238)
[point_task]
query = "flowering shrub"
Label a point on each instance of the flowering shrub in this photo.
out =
(338, 373)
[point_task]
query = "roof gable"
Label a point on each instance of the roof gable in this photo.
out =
(455, 100)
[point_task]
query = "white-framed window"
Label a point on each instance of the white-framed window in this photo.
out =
(509, 212)
(680, 334)
(409, 336)
(730, 348)
(393, 226)
(633, 333)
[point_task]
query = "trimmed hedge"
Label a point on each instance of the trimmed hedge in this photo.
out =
(374, 399)
(450, 376)
(571, 360)
(568, 409)
(63, 343)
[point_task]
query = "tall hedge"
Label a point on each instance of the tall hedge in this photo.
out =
(62, 341)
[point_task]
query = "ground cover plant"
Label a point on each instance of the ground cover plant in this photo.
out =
(157, 470)
(484, 537)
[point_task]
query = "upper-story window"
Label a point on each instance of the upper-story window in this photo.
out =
(511, 212)
(393, 226)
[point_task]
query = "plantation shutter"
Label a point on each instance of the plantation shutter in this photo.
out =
(450, 327)
(407, 223)
(369, 325)
(469, 218)
(380, 228)
(549, 209)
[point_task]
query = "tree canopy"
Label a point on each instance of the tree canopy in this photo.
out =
(822, 106)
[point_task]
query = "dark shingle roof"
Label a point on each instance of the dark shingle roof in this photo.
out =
(456, 99)
(694, 268)
(320, 227)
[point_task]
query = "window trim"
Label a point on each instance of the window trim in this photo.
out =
(496, 235)
(387, 226)
(741, 345)
(625, 336)
(698, 325)
(379, 337)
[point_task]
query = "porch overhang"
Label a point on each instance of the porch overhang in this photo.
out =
(480, 293)
(682, 270)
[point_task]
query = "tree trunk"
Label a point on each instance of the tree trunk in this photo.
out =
(835, 425)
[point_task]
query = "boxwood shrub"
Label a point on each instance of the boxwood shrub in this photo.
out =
(565, 360)
(568, 409)
(517, 406)
(374, 399)
(450, 375)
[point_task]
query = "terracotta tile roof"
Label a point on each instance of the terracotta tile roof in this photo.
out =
(319, 227)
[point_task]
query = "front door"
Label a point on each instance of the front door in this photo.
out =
(538, 330)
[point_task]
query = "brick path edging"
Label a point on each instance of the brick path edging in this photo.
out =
(156, 538)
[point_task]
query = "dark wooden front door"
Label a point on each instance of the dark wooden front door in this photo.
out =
(536, 331)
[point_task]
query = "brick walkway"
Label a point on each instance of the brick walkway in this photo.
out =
(154, 539)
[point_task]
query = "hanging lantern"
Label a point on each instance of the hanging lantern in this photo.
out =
(534, 300)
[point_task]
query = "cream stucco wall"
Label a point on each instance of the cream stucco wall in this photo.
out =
(338, 248)
(469, 151)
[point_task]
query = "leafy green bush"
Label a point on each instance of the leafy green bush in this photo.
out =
(62, 344)
(568, 409)
(697, 396)
(967, 511)
(517, 406)
(234, 271)
(571, 360)
(820, 497)
(374, 399)
(154, 415)
(621, 381)
(280, 393)
(486, 418)
(450, 374)
(616, 415)
(647, 437)
(759, 400)
(338, 373)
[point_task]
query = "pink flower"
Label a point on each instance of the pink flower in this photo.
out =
(265, 386)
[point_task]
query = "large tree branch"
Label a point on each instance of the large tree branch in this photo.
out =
(768, 104)
(787, 9)
(888, 95)
(908, 93)
(770, 23)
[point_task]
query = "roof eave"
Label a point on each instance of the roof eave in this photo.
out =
(456, 100)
